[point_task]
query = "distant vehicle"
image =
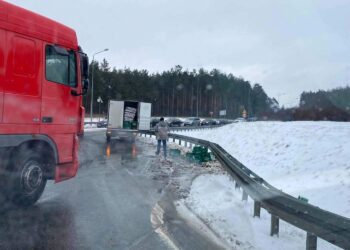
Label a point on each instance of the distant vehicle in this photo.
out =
(192, 121)
(125, 118)
(217, 122)
(252, 119)
(154, 122)
(102, 124)
(208, 122)
(174, 122)
(224, 121)
(239, 120)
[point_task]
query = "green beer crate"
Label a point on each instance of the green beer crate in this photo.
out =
(201, 154)
(206, 157)
(133, 125)
(198, 150)
(191, 157)
(127, 124)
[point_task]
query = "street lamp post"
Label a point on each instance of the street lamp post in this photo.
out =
(197, 96)
(92, 82)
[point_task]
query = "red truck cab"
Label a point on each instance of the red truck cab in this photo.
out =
(43, 75)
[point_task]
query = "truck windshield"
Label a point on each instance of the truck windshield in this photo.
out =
(61, 68)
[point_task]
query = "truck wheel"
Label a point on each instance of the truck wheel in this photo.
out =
(27, 178)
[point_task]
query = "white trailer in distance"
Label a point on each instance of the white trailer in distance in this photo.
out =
(125, 118)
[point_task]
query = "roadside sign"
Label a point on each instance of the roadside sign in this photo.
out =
(222, 112)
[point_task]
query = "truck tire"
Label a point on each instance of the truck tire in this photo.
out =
(26, 178)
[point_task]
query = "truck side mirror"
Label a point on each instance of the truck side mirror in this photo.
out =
(84, 60)
(85, 86)
(85, 64)
(84, 68)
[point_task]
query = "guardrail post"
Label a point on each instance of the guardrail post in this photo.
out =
(180, 142)
(275, 224)
(185, 144)
(311, 241)
(257, 208)
(236, 185)
(244, 196)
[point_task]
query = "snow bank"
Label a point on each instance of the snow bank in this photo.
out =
(93, 129)
(310, 159)
(214, 199)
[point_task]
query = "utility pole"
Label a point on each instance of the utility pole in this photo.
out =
(197, 96)
(92, 82)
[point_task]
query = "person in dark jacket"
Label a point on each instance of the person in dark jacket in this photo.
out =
(161, 131)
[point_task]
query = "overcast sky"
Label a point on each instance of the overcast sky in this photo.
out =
(286, 46)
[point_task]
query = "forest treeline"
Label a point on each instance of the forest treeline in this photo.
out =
(331, 105)
(179, 92)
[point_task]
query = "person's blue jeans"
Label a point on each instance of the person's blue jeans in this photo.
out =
(164, 147)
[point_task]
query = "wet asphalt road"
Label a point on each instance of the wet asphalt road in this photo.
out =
(108, 205)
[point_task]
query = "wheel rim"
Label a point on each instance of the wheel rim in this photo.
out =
(32, 177)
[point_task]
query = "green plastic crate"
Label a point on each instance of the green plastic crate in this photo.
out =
(206, 157)
(191, 157)
(133, 125)
(127, 125)
(199, 154)
(199, 150)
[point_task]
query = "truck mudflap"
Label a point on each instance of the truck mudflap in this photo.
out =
(68, 170)
(81, 125)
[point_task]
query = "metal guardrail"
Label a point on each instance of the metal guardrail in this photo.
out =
(184, 128)
(188, 128)
(314, 220)
(90, 123)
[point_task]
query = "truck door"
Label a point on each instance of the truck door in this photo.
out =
(2, 70)
(60, 108)
(22, 88)
(115, 114)
(145, 116)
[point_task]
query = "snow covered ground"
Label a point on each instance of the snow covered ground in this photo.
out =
(310, 159)
(90, 126)
(93, 129)
(214, 199)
